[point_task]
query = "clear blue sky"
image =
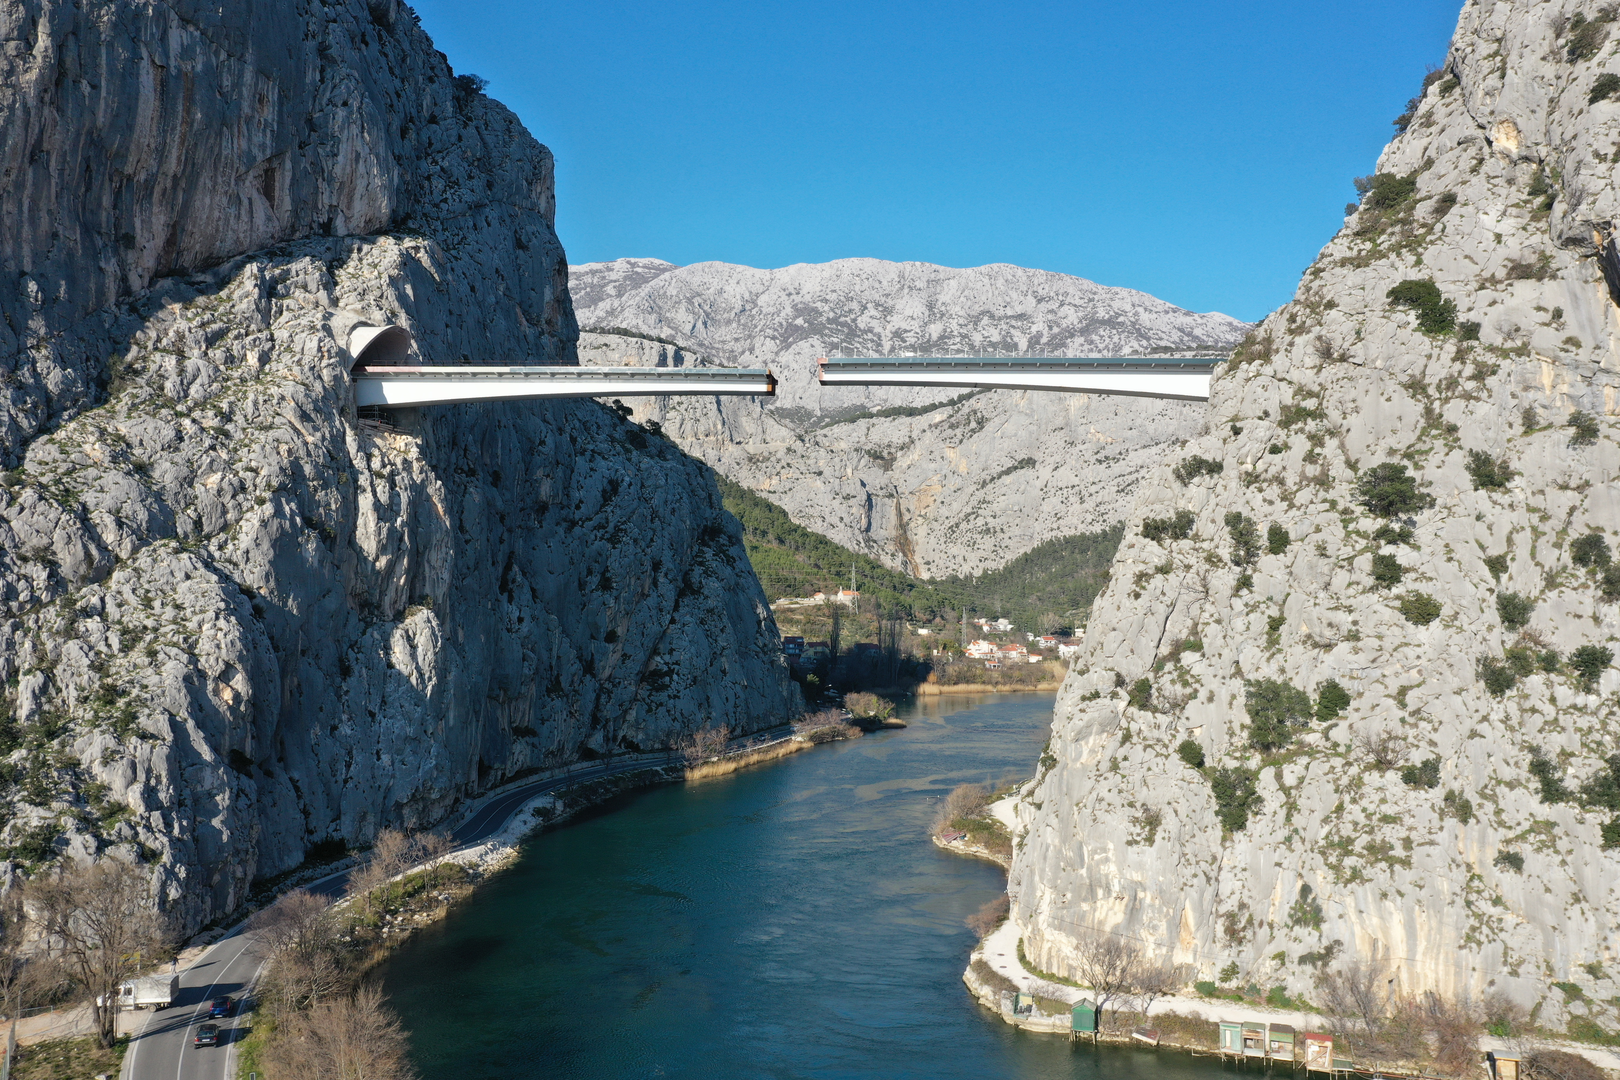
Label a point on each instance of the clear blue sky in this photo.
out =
(1201, 152)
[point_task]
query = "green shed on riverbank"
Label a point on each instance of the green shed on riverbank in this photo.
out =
(1083, 1018)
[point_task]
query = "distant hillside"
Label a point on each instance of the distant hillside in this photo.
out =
(1057, 580)
(927, 481)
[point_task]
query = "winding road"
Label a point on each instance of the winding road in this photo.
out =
(162, 1050)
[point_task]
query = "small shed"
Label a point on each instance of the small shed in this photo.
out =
(1083, 1017)
(1280, 1042)
(1024, 1004)
(1254, 1040)
(1318, 1052)
(1502, 1068)
(1231, 1037)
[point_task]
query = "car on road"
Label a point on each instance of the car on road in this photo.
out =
(207, 1035)
(220, 1007)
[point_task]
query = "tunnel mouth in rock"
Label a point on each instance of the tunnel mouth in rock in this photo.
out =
(385, 346)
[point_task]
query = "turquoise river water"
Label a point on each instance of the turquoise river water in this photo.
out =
(792, 920)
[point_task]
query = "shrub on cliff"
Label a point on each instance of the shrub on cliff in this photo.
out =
(1605, 86)
(1245, 538)
(1585, 428)
(1436, 314)
(1388, 490)
(1589, 662)
(1486, 472)
(1235, 797)
(1385, 191)
(1331, 700)
(1386, 571)
(1195, 466)
(1497, 676)
(1609, 589)
(1277, 538)
(1178, 527)
(1140, 695)
(1425, 774)
(1549, 778)
(1420, 609)
(1514, 610)
(1274, 709)
(1190, 752)
(1591, 550)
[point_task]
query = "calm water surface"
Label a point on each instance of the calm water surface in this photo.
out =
(789, 921)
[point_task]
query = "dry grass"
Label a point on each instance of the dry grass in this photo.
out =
(992, 978)
(708, 770)
(55, 1059)
(825, 726)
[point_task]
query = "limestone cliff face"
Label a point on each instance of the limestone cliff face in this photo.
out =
(937, 483)
(1502, 193)
(238, 620)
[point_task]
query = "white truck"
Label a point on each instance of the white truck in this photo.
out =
(148, 992)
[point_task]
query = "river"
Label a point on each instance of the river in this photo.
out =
(792, 920)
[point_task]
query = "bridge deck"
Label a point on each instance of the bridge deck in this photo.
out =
(1178, 380)
(400, 387)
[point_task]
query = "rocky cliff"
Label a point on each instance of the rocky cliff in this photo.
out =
(939, 481)
(239, 621)
(1384, 619)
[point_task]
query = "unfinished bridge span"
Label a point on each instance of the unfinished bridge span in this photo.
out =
(1175, 380)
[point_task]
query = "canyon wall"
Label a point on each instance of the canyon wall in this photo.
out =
(238, 619)
(1406, 489)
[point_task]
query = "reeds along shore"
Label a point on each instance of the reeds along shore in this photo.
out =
(726, 766)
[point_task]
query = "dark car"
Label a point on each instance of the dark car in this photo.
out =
(220, 1007)
(207, 1035)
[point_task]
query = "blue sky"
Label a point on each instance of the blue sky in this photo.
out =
(1201, 152)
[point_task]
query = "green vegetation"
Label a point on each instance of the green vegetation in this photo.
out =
(1178, 527)
(1235, 797)
(1605, 86)
(1586, 37)
(1388, 490)
(1458, 805)
(1420, 609)
(1486, 472)
(1306, 910)
(1591, 550)
(1140, 694)
(1387, 571)
(1190, 752)
(1245, 538)
(1497, 565)
(1195, 466)
(1274, 709)
(1436, 314)
(1509, 860)
(1468, 330)
(1549, 778)
(1387, 534)
(1497, 676)
(1610, 588)
(1277, 539)
(1385, 191)
(1585, 427)
(1514, 610)
(1331, 700)
(1425, 774)
(1061, 576)
(1589, 662)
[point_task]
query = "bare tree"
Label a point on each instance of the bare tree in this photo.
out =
(1357, 1001)
(99, 919)
(704, 744)
(983, 922)
(964, 801)
(298, 923)
(1386, 748)
(1108, 964)
(349, 1038)
(1154, 979)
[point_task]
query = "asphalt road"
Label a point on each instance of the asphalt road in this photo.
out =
(162, 1049)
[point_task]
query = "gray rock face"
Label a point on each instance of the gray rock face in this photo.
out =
(941, 483)
(1420, 873)
(237, 620)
